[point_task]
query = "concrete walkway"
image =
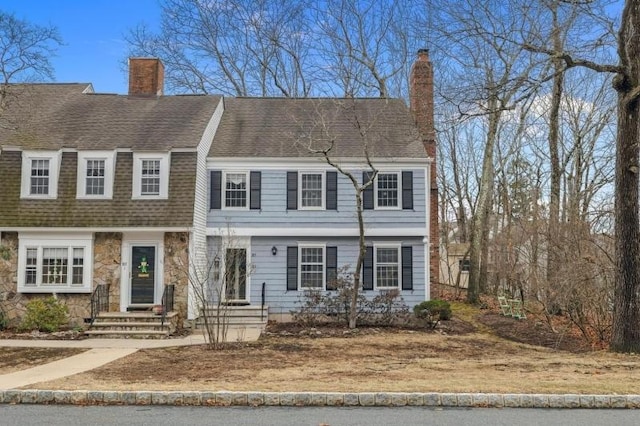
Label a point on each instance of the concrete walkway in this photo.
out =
(75, 364)
(102, 351)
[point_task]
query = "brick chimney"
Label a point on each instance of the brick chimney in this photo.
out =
(146, 77)
(421, 100)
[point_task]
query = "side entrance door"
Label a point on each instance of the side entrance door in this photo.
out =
(143, 268)
(236, 275)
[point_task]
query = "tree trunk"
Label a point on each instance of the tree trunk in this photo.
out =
(353, 306)
(626, 313)
(554, 126)
(483, 208)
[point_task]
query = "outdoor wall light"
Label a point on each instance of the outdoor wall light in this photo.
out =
(274, 250)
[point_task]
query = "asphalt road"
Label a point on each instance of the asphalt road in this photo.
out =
(325, 416)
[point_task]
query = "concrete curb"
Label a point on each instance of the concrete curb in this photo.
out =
(317, 399)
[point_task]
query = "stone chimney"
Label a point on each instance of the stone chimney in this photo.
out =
(146, 77)
(421, 100)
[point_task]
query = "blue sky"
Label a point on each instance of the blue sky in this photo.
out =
(92, 31)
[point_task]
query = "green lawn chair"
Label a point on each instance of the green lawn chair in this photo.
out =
(517, 310)
(505, 306)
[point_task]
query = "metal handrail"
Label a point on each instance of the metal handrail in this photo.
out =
(99, 301)
(167, 301)
(263, 301)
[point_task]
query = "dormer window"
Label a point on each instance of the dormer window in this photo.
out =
(40, 174)
(39, 177)
(95, 174)
(150, 183)
(151, 175)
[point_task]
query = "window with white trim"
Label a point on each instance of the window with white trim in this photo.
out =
(40, 174)
(387, 266)
(387, 187)
(54, 265)
(311, 262)
(235, 190)
(150, 183)
(312, 189)
(151, 175)
(95, 174)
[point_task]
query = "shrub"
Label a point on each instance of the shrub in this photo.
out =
(45, 315)
(433, 311)
(317, 306)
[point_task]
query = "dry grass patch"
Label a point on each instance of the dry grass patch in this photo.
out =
(402, 361)
(16, 359)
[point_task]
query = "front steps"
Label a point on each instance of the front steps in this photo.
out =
(127, 325)
(238, 319)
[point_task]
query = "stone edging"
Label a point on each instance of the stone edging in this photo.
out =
(317, 399)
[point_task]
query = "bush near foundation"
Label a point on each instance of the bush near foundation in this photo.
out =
(46, 315)
(433, 311)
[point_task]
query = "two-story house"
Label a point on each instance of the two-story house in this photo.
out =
(282, 219)
(101, 190)
(131, 195)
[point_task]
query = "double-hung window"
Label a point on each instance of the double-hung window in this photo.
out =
(150, 179)
(151, 175)
(311, 267)
(40, 174)
(235, 190)
(387, 188)
(387, 266)
(95, 174)
(39, 184)
(94, 182)
(54, 265)
(311, 190)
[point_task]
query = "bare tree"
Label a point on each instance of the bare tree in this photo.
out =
(626, 329)
(25, 52)
(282, 48)
(210, 276)
(319, 135)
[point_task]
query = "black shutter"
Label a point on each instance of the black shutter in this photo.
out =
(255, 182)
(215, 201)
(292, 190)
(292, 268)
(367, 270)
(367, 195)
(332, 267)
(332, 190)
(407, 268)
(407, 190)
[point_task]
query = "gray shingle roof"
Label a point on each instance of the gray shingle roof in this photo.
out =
(53, 116)
(281, 127)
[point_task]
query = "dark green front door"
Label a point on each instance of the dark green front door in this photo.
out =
(143, 262)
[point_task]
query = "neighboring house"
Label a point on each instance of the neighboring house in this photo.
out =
(282, 221)
(101, 189)
(455, 264)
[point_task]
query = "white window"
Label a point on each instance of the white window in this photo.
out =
(387, 266)
(56, 265)
(150, 181)
(40, 174)
(312, 189)
(95, 174)
(235, 190)
(151, 175)
(311, 262)
(387, 190)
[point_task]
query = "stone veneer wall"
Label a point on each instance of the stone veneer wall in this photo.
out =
(107, 256)
(176, 269)
(14, 304)
(106, 270)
